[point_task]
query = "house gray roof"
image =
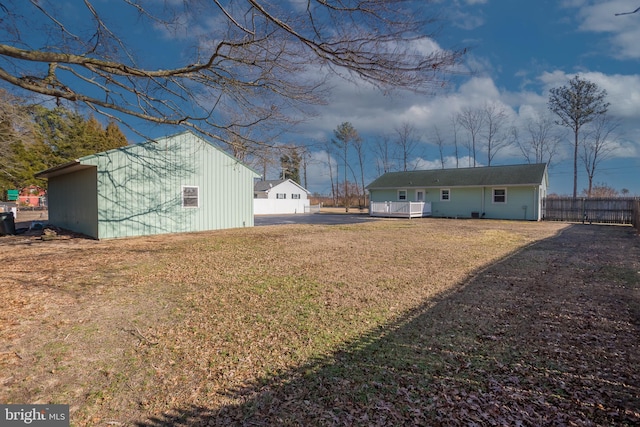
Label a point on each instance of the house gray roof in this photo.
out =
(527, 174)
(266, 185)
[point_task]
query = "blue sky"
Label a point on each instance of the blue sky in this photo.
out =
(518, 50)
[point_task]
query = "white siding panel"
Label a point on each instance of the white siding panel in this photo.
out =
(274, 206)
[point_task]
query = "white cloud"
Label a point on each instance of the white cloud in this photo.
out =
(624, 149)
(477, 90)
(600, 17)
(450, 162)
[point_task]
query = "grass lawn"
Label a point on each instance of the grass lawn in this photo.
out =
(393, 322)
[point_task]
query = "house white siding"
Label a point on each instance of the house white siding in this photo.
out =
(280, 197)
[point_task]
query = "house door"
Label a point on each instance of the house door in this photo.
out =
(419, 196)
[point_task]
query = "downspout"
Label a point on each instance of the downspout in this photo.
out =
(535, 204)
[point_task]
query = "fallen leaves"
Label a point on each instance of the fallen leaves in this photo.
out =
(431, 322)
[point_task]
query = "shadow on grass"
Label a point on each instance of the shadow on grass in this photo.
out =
(547, 336)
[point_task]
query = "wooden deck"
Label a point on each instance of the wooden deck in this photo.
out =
(400, 209)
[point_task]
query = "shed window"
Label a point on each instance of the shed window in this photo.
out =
(445, 194)
(499, 195)
(281, 195)
(402, 195)
(295, 196)
(190, 197)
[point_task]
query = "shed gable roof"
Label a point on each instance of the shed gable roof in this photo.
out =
(85, 162)
(527, 174)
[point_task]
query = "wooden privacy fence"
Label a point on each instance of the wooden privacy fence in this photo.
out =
(636, 215)
(615, 210)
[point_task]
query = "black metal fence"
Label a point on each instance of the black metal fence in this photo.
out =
(615, 210)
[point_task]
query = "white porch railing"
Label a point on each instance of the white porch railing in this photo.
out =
(400, 209)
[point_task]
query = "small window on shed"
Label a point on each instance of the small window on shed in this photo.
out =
(190, 197)
(402, 195)
(499, 195)
(445, 195)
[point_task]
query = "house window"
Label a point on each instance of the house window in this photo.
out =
(281, 196)
(190, 197)
(419, 196)
(445, 195)
(295, 196)
(499, 195)
(402, 195)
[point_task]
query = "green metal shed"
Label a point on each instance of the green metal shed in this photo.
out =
(179, 183)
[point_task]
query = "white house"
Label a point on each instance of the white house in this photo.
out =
(279, 197)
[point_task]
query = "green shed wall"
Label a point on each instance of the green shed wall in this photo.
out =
(139, 188)
(73, 202)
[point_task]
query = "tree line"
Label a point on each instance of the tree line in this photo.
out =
(475, 135)
(34, 137)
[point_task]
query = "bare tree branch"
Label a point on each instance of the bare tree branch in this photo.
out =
(259, 62)
(628, 13)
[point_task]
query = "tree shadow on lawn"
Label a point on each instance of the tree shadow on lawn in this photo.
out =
(548, 336)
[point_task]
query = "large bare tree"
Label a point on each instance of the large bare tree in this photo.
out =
(598, 145)
(440, 143)
(407, 140)
(260, 60)
(472, 120)
(540, 144)
(495, 139)
(576, 104)
(383, 149)
(455, 128)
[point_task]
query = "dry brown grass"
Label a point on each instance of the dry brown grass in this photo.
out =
(389, 322)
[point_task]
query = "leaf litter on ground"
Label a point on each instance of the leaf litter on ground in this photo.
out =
(427, 322)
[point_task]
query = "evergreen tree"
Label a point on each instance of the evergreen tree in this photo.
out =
(290, 164)
(16, 136)
(114, 137)
(70, 136)
(35, 138)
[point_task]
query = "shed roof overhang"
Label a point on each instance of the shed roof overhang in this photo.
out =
(63, 169)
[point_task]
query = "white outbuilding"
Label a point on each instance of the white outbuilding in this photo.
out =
(283, 196)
